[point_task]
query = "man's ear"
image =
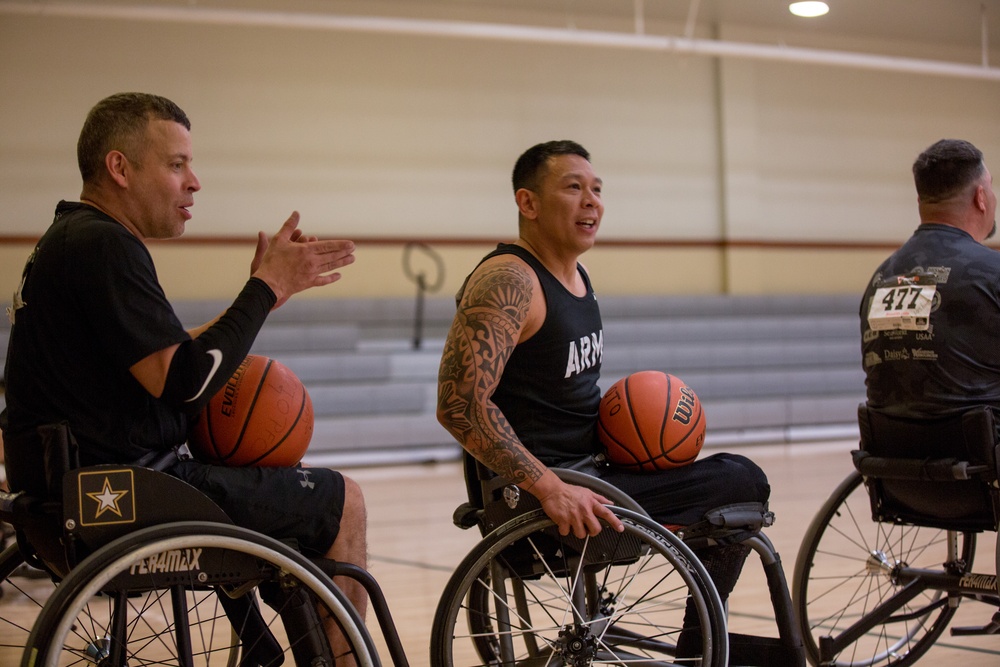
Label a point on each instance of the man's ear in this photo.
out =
(527, 203)
(980, 198)
(118, 167)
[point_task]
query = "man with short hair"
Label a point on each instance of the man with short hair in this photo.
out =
(95, 343)
(506, 394)
(931, 311)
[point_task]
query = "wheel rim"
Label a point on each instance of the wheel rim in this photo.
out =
(576, 610)
(75, 623)
(25, 591)
(845, 569)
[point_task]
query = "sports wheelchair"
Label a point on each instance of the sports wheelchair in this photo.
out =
(526, 595)
(888, 558)
(130, 566)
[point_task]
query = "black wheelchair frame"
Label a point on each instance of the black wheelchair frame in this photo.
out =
(882, 593)
(146, 562)
(130, 540)
(521, 547)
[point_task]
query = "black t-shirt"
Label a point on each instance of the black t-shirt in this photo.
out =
(548, 391)
(93, 307)
(954, 362)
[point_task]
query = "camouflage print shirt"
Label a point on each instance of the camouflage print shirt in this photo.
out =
(930, 325)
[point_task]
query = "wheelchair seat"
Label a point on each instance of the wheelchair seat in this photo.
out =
(883, 592)
(930, 472)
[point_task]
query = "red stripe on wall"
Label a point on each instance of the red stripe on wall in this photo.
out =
(605, 242)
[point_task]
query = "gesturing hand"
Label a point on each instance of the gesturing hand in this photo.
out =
(290, 261)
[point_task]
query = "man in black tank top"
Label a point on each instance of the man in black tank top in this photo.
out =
(518, 379)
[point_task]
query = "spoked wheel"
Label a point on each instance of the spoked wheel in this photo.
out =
(23, 591)
(527, 596)
(844, 571)
(195, 593)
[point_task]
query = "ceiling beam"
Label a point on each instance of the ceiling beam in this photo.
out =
(504, 32)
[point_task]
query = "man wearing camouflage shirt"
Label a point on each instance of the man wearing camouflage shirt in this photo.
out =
(931, 312)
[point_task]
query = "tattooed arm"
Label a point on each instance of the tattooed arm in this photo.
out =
(491, 318)
(501, 305)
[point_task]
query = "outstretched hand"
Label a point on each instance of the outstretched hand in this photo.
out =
(575, 509)
(291, 261)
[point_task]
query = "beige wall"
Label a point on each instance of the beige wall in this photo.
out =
(212, 271)
(376, 136)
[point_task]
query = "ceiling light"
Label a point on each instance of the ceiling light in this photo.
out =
(809, 9)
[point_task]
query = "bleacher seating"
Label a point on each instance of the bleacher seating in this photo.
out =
(767, 369)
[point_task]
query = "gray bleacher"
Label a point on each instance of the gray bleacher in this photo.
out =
(767, 369)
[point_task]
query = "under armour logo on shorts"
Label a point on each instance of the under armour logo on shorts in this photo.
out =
(306, 484)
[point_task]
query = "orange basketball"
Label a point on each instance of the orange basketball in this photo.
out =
(651, 421)
(262, 417)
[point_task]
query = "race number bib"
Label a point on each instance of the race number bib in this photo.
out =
(905, 305)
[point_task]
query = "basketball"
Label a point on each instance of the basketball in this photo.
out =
(262, 417)
(651, 421)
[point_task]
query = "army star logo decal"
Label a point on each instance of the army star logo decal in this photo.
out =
(107, 499)
(106, 496)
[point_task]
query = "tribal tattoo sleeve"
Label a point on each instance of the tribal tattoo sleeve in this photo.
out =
(490, 316)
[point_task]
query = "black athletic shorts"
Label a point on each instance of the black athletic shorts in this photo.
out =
(299, 505)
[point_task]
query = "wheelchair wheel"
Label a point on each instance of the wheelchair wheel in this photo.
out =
(196, 593)
(526, 595)
(844, 571)
(23, 591)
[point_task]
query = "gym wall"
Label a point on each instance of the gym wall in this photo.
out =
(722, 175)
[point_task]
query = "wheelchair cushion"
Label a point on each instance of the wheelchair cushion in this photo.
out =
(912, 492)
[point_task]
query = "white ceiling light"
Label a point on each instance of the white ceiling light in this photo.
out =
(809, 9)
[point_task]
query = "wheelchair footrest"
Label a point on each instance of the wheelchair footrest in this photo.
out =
(728, 524)
(991, 628)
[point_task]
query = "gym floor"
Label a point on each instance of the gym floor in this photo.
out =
(414, 547)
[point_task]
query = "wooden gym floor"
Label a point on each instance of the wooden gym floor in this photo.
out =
(414, 547)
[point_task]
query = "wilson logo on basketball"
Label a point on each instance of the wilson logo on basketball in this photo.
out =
(685, 406)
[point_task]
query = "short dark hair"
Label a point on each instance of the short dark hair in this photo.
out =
(946, 169)
(118, 123)
(530, 167)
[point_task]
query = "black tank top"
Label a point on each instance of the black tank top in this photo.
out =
(549, 391)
